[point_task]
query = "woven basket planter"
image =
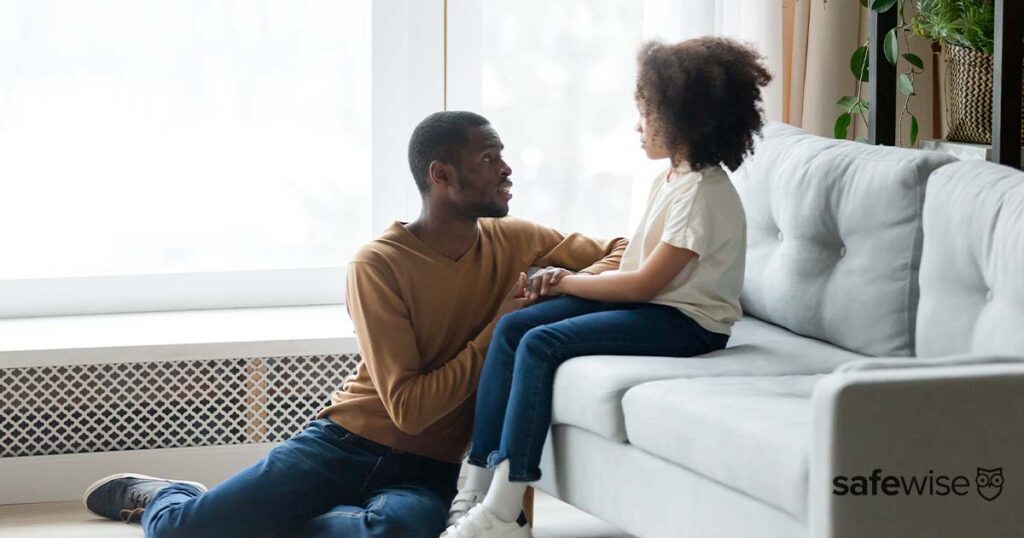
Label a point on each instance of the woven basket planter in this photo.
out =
(970, 95)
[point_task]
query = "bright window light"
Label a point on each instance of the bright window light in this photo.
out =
(557, 82)
(141, 137)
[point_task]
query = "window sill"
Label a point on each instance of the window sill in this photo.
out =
(183, 335)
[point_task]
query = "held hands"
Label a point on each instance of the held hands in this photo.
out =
(546, 282)
(517, 297)
(524, 292)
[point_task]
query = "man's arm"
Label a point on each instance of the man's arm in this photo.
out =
(414, 399)
(578, 252)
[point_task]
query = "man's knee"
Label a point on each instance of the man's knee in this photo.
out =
(407, 517)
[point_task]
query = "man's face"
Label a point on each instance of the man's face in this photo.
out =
(480, 186)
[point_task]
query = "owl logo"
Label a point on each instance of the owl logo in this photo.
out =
(990, 483)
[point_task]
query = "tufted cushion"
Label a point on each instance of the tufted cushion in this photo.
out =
(972, 270)
(834, 238)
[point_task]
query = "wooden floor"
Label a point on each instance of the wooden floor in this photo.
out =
(555, 519)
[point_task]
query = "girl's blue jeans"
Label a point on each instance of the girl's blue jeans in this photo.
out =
(513, 402)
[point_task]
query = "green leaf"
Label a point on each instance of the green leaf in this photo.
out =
(904, 84)
(891, 47)
(859, 64)
(851, 103)
(913, 130)
(882, 5)
(864, 3)
(843, 125)
(914, 60)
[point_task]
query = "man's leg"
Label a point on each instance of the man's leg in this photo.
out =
(304, 477)
(395, 512)
(409, 497)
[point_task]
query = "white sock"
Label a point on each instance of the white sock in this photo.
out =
(505, 499)
(478, 479)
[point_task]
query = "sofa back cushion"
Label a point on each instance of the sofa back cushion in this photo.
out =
(972, 267)
(834, 238)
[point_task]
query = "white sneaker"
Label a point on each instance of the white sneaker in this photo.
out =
(465, 500)
(479, 522)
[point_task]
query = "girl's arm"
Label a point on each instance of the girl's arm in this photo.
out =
(639, 286)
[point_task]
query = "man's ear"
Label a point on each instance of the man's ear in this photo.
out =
(440, 174)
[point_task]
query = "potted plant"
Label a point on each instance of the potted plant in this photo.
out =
(966, 28)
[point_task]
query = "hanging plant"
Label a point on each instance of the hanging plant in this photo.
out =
(896, 40)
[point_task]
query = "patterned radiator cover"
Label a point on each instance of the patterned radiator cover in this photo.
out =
(73, 409)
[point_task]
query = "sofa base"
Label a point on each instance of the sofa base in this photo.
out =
(650, 497)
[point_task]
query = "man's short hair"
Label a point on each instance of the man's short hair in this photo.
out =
(439, 137)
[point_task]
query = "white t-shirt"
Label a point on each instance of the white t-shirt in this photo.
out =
(699, 211)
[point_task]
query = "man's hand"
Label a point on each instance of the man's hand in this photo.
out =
(542, 281)
(517, 298)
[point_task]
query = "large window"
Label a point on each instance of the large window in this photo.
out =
(557, 81)
(160, 155)
(163, 137)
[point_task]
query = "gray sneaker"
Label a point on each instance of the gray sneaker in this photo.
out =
(125, 496)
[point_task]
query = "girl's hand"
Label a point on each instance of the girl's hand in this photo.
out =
(542, 282)
(564, 286)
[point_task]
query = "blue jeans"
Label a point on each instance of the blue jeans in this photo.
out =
(513, 402)
(324, 481)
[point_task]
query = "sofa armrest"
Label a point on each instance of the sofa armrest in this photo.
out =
(913, 362)
(896, 451)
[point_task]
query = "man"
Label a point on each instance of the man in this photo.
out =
(383, 459)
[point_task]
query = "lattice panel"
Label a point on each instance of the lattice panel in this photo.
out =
(131, 406)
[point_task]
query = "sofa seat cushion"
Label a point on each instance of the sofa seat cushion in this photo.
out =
(749, 433)
(588, 390)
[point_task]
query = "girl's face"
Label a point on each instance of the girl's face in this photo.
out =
(649, 140)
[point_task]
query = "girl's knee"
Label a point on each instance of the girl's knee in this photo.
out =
(539, 335)
(539, 343)
(513, 326)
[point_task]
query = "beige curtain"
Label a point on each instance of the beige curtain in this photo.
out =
(818, 38)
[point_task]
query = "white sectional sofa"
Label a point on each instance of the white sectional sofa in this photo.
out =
(884, 329)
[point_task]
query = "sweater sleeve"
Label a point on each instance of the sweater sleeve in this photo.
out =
(414, 399)
(577, 252)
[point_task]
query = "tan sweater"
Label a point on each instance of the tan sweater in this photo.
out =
(424, 321)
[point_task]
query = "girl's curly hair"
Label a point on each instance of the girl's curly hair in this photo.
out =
(704, 95)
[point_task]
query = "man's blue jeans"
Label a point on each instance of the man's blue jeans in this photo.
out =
(513, 402)
(324, 481)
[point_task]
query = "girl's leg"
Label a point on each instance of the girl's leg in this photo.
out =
(630, 329)
(496, 376)
(493, 389)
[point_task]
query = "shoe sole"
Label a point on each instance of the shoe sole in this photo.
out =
(95, 485)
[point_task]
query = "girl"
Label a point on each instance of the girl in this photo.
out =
(676, 292)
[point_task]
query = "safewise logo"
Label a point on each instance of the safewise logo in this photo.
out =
(988, 483)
